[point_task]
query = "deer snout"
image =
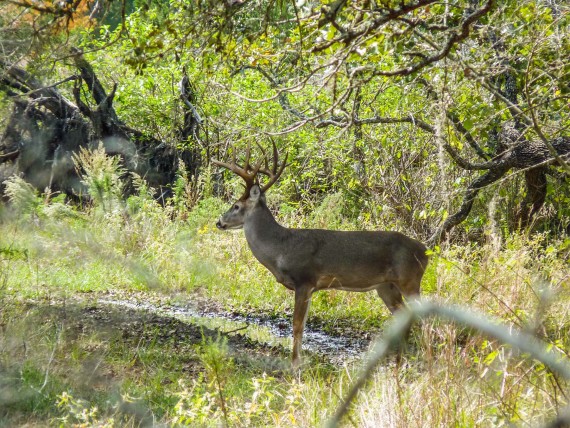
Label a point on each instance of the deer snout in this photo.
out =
(220, 225)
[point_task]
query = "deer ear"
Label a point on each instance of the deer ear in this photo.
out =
(255, 193)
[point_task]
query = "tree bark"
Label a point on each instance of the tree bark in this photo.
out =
(534, 199)
(533, 157)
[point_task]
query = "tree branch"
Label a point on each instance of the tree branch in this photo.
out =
(455, 38)
(19, 79)
(458, 125)
(89, 77)
(330, 11)
(465, 164)
(281, 94)
(387, 120)
(347, 36)
(478, 184)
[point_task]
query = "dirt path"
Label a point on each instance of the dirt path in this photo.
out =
(257, 338)
(257, 332)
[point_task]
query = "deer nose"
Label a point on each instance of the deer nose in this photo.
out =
(219, 225)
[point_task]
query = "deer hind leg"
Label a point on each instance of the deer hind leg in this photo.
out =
(302, 302)
(391, 296)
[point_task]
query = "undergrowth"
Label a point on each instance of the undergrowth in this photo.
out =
(58, 368)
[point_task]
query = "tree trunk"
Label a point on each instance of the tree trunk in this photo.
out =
(45, 129)
(535, 196)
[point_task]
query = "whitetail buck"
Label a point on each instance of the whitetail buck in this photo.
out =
(308, 260)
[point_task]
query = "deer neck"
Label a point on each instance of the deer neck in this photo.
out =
(263, 234)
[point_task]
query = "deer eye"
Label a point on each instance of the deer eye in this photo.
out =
(236, 207)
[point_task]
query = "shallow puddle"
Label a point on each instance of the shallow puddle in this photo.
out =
(271, 331)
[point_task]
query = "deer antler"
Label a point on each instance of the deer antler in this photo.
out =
(276, 170)
(249, 174)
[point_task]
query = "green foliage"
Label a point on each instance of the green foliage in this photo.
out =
(103, 177)
(264, 404)
(340, 174)
(259, 68)
(329, 212)
(213, 399)
(208, 382)
(78, 412)
(23, 196)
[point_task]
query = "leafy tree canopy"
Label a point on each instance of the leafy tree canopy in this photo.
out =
(413, 108)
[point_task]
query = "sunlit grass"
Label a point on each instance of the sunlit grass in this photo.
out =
(120, 375)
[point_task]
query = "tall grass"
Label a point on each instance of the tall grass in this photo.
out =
(60, 368)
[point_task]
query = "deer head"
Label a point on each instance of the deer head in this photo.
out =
(254, 193)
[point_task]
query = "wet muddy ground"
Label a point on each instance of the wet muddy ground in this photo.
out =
(253, 331)
(94, 342)
(191, 319)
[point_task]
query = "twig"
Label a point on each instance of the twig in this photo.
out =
(237, 329)
(421, 309)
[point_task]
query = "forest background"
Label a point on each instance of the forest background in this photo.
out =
(447, 121)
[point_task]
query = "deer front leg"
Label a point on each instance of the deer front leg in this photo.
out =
(302, 302)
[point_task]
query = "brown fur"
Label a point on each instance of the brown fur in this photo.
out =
(308, 260)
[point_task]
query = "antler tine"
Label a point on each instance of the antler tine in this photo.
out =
(275, 155)
(246, 166)
(246, 172)
(256, 169)
(273, 170)
(231, 167)
(236, 169)
(276, 170)
(273, 177)
(249, 174)
(264, 159)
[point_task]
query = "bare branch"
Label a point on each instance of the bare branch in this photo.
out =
(454, 39)
(330, 11)
(532, 121)
(465, 164)
(282, 95)
(9, 156)
(490, 177)
(460, 128)
(458, 125)
(348, 36)
(406, 119)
